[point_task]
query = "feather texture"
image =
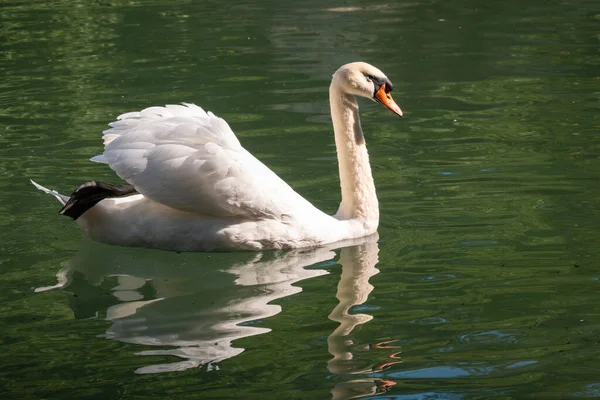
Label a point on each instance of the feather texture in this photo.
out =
(190, 160)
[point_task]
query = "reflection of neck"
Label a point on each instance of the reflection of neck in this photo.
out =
(358, 265)
(359, 199)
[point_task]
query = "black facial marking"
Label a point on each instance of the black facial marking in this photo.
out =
(378, 83)
(388, 85)
(89, 194)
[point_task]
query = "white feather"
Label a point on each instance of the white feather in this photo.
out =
(189, 160)
(61, 198)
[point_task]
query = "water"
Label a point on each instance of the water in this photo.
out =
(484, 280)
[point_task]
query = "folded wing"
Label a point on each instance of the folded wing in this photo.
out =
(190, 160)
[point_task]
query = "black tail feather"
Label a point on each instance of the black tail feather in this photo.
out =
(89, 194)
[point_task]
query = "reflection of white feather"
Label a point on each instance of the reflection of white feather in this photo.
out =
(214, 329)
(124, 310)
(194, 313)
(61, 280)
(204, 333)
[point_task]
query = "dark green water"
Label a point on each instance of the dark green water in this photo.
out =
(485, 281)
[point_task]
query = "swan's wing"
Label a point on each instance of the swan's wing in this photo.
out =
(190, 160)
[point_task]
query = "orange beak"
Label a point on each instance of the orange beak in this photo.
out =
(386, 100)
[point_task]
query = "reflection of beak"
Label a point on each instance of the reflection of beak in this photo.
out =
(386, 99)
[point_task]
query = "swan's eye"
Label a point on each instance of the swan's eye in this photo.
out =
(370, 78)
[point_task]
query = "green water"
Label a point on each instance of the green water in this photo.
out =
(484, 282)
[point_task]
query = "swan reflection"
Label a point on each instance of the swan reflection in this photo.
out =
(194, 307)
(358, 266)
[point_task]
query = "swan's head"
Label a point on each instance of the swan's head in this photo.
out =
(362, 79)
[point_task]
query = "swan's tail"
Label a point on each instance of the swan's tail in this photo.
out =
(60, 197)
(86, 196)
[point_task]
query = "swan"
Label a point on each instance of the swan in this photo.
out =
(193, 187)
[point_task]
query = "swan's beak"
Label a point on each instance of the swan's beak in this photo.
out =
(385, 98)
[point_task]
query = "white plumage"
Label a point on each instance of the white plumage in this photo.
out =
(199, 189)
(190, 160)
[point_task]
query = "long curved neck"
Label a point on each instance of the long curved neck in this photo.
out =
(359, 200)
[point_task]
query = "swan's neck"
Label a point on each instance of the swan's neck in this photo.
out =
(359, 200)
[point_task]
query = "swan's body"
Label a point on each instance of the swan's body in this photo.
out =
(199, 189)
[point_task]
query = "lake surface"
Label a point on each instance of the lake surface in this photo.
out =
(484, 282)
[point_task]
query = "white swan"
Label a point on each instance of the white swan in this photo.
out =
(195, 188)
